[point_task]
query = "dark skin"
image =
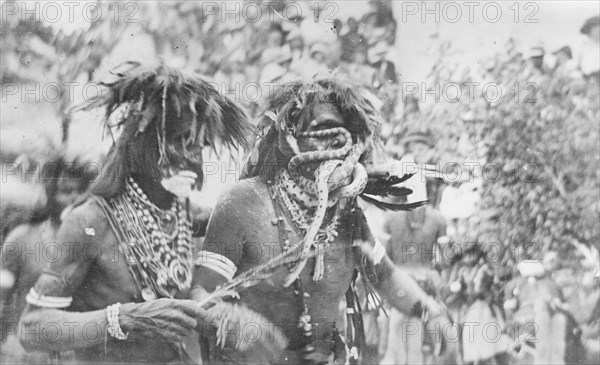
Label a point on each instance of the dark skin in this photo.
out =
(92, 269)
(95, 273)
(18, 251)
(39, 239)
(241, 228)
(28, 248)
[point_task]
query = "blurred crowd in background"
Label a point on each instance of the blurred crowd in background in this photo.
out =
(550, 120)
(360, 48)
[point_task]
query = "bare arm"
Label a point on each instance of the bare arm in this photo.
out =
(393, 283)
(58, 283)
(217, 263)
(11, 253)
(221, 252)
(10, 266)
(46, 325)
(401, 290)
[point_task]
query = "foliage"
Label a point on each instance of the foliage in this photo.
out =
(547, 150)
(34, 52)
(539, 140)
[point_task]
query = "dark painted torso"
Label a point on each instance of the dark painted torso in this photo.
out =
(280, 305)
(109, 281)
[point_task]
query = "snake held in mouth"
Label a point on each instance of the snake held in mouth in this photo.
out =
(339, 175)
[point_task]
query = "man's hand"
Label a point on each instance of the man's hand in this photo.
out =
(167, 319)
(180, 184)
(229, 323)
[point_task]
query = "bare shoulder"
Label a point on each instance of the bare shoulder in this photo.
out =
(85, 220)
(247, 192)
(238, 209)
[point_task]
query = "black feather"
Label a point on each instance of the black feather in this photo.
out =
(399, 191)
(289, 103)
(386, 187)
(225, 119)
(393, 207)
(191, 104)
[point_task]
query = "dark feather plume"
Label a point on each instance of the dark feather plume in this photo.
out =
(387, 186)
(392, 206)
(158, 108)
(187, 95)
(283, 115)
(287, 104)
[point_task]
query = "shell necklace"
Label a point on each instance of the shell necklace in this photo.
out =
(156, 242)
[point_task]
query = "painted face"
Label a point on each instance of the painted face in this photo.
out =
(183, 156)
(320, 117)
(316, 118)
(182, 153)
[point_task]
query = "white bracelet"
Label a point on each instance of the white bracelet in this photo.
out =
(114, 329)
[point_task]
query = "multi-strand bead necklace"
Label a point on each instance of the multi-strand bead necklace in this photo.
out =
(156, 242)
(287, 195)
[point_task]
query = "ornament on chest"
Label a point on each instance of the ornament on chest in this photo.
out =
(157, 245)
(301, 215)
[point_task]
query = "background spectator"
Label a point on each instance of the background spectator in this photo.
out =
(589, 57)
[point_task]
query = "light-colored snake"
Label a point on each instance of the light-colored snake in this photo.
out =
(338, 176)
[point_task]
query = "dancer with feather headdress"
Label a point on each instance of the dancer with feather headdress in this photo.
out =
(315, 156)
(129, 241)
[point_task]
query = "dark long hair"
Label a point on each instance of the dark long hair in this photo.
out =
(166, 118)
(284, 115)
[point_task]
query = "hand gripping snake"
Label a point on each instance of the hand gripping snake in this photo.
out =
(338, 176)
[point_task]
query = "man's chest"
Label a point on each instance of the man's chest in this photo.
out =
(109, 278)
(114, 272)
(275, 238)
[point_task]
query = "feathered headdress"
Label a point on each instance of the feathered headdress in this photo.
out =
(283, 117)
(159, 108)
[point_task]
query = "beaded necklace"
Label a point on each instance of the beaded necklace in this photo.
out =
(304, 320)
(156, 242)
(286, 204)
(299, 217)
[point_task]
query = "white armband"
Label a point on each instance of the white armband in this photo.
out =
(47, 301)
(217, 263)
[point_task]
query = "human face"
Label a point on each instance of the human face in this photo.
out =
(537, 61)
(319, 117)
(183, 155)
(296, 43)
(595, 33)
(353, 25)
(274, 39)
(71, 185)
(322, 116)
